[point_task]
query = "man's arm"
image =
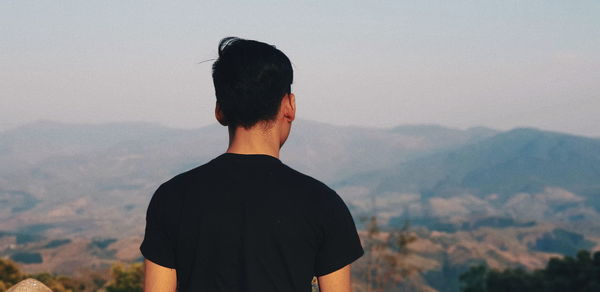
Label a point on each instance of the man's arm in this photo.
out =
(158, 278)
(338, 281)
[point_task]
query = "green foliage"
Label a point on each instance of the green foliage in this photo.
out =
(57, 242)
(35, 228)
(580, 273)
(563, 242)
(24, 238)
(99, 247)
(102, 243)
(9, 274)
(475, 279)
(496, 222)
(442, 224)
(27, 257)
(446, 278)
(126, 278)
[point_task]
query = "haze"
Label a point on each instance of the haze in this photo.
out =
(460, 64)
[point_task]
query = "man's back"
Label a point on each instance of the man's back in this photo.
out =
(248, 222)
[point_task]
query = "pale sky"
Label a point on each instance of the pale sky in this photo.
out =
(500, 64)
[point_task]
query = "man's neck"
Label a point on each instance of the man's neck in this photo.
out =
(254, 140)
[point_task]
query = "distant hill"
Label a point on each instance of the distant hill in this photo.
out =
(510, 198)
(354, 149)
(81, 175)
(333, 152)
(547, 170)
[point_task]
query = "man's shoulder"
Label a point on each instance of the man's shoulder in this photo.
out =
(307, 182)
(187, 178)
(287, 176)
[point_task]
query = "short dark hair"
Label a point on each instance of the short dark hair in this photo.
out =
(250, 79)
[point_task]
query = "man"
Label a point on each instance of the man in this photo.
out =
(245, 221)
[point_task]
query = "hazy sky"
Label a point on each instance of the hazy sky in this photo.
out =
(500, 64)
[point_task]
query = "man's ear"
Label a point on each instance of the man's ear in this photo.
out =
(219, 115)
(289, 107)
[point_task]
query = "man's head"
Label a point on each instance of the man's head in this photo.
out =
(251, 80)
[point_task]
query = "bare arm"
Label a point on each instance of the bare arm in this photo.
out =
(158, 278)
(338, 281)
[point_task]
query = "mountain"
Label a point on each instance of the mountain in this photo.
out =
(510, 198)
(353, 149)
(333, 152)
(525, 173)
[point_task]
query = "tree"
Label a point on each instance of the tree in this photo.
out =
(126, 278)
(474, 280)
(581, 273)
(9, 274)
(384, 265)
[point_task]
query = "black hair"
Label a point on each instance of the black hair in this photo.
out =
(250, 79)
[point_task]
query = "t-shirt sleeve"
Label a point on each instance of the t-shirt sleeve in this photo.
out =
(158, 245)
(340, 243)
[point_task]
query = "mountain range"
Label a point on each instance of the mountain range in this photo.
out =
(74, 195)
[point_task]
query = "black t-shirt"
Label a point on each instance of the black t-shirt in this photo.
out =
(248, 222)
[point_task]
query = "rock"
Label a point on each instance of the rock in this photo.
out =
(29, 285)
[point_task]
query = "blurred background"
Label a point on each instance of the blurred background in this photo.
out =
(464, 136)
